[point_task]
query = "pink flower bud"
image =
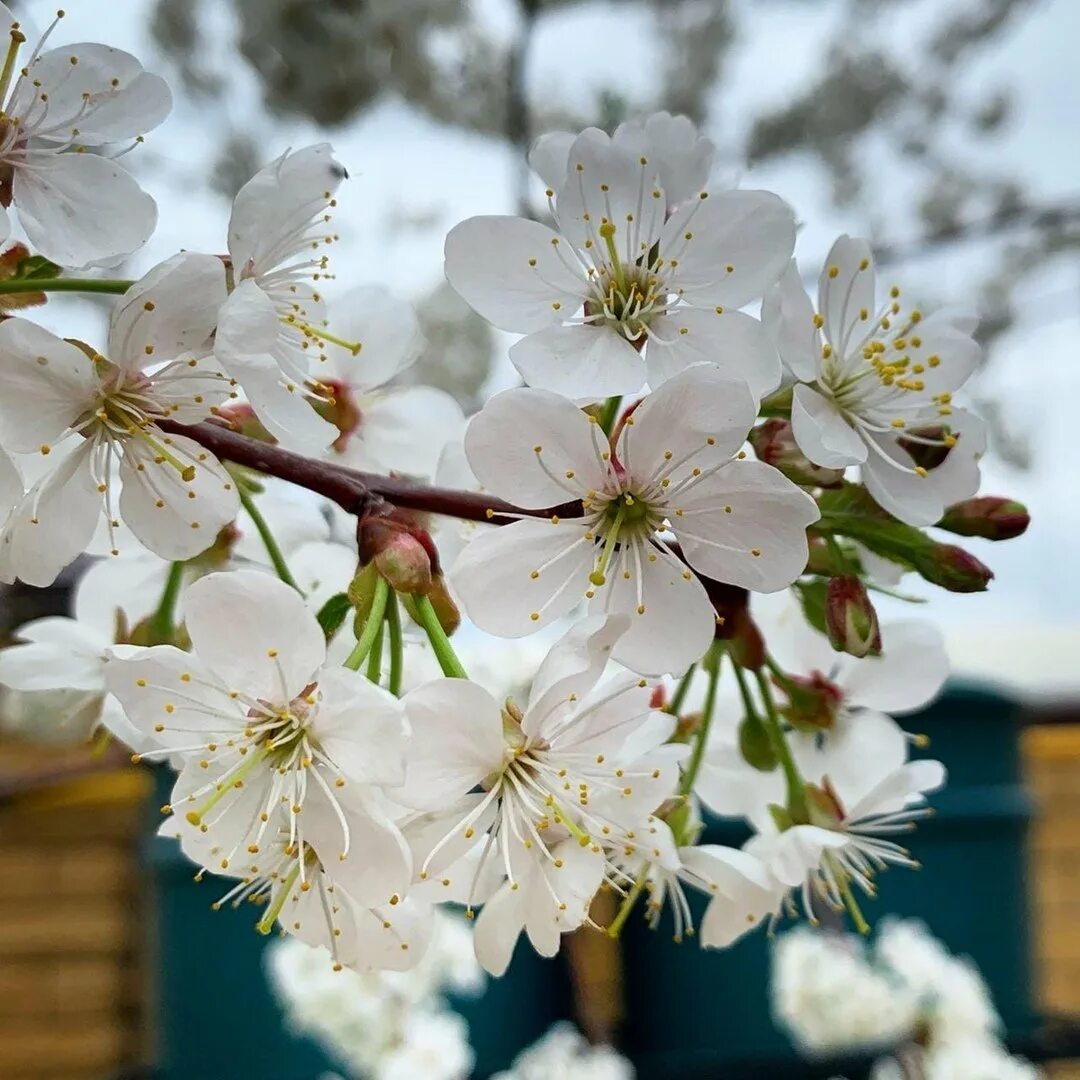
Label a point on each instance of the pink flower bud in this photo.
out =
(850, 619)
(989, 516)
(404, 562)
(774, 443)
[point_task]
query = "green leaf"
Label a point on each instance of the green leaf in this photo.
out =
(812, 598)
(333, 613)
(35, 268)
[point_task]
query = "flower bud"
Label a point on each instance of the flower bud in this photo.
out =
(774, 443)
(755, 745)
(402, 552)
(989, 516)
(952, 568)
(405, 565)
(850, 619)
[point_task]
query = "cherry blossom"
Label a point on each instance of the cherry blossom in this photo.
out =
(619, 292)
(94, 418)
(578, 766)
(263, 726)
(676, 470)
(875, 385)
(78, 209)
(272, 330)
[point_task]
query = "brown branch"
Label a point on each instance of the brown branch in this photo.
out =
(357, 492)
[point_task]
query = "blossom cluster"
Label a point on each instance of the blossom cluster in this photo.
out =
(905, 993)
(671, 462)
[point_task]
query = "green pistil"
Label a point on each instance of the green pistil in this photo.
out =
(571, 826)
(187, 472)
(597, 576)
(266, 923)
(607, 233)
(17, 39)
(195, 817)
(848, 897)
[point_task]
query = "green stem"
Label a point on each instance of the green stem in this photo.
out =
(79, 285)
(681, 691)
(795, 786)
(779, 673)
(749, 705)
(162, 621)
(374, 664)
(372, 625)
(615, 929)
(609, 412)
(440, 643)
(277, 558)
(697, 755)
(397, 646)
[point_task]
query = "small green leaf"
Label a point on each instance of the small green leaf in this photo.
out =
(332, 614)
(35, 268)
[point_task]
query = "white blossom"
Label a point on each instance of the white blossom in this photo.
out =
(676, 468)
(874, 385)
(95, 418)
(619, 292)
(78, 209)
(578, 766)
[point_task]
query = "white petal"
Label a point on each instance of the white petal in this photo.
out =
(697, 419)
(683, 155)
(11, 485)
(863, 749)
(580, 362)
(160, 702)
(59, 655)
(175, 518)
(322, 569)
(455, 741)
(788, 317)
(734, 342)
(761, 543)
(53, 523)
(360, 727)
(273, 210)
(571, 669)
(183, 294)
(106, 95)
(494, 575)
(131, 584)
(397, 947)
(902, 788)
(672, 620)
(39, 401)
(911, 670)
(549, 155)
(573, 876)
(921, 500)
(385, 328)
(798, 851)
(753, 232)
(378, 863)
(254, 346)
(502, 444)
(846, 293)
(821, 431)
(404, 430)
(946, 338)
(497, 929)
(607, 180)
(510, 271)
(82, 210)
(255, 633)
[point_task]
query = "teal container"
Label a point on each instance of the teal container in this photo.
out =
(694, 1012)
(217, 1018)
